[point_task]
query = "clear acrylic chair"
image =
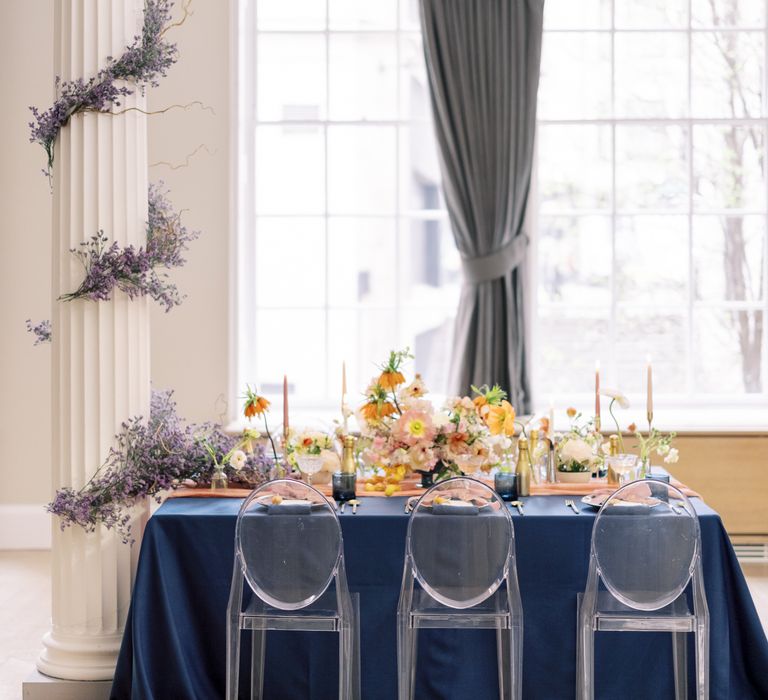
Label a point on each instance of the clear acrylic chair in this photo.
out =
(289, 549)
(460, 573)
(646, 549)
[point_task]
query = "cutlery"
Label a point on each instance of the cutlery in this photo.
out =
(343, 504)
(518, 505)
(354, 503)
(570, 504)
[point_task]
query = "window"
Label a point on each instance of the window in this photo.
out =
(344, 248)
(652, 198)
(650, 203)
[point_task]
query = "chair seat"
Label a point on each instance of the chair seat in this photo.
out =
(612, 616)
(320, 616)
(492, 613)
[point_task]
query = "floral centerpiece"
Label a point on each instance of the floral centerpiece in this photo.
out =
(577, 450)
(656, 441)
(311, 452)
(403, 432)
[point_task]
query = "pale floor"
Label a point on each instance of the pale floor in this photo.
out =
(25, 609)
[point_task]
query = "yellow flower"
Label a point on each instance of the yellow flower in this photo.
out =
(391, 488)
(501, 419)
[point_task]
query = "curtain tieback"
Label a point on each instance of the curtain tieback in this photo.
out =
(494, 265)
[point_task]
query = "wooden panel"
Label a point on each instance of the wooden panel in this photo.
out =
(731, 474)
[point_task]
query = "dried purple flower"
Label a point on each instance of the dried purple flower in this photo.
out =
(136, 271)
(143, 62)
(41, 331)
(148, 458)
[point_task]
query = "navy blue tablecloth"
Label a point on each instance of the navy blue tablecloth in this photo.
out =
(174, 643)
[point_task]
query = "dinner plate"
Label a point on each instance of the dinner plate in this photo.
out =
(589, 500)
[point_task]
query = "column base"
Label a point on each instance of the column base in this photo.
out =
(79, 658)
(40, 687)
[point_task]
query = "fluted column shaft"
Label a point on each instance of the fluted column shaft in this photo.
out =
(100, 349)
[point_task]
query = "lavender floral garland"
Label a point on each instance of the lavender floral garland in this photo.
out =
(135, 271)
(143, 62)
(148, 458)
(41, 331)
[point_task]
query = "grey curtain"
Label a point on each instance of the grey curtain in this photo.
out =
(483, 59)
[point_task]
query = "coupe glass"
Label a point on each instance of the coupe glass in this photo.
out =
(309, 464)
(625, 467)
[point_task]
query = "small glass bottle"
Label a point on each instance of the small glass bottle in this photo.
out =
(344, 482)
(539, 457)
(613, 477)
(523, 469)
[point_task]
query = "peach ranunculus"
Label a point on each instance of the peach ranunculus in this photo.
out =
(571, 412)
(413, 427)
(501, 419)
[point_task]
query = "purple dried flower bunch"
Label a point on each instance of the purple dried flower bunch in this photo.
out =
(147, 59)
(41, 331)
(136, 271)
(150, 457)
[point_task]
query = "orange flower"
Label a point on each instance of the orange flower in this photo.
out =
(632, 428)
(391, 379)
(571, 411)
(501, 419)
(374, 410)
(545, 425)
(255, 405)
(307, 441)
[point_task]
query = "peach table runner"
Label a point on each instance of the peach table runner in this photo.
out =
(411, 488)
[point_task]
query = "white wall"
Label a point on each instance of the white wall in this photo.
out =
(189, 344)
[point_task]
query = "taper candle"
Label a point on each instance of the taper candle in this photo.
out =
(597, 394)
(551, 430)
(344, 409)
(649, 398)
(285, 405)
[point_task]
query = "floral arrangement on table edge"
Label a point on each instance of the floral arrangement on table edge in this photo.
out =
(577, 450)
(403, 432)
(153, 456)
(145, 60)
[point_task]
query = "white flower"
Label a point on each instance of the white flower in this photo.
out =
(672, 456)
(440, 419)
(605, 448)
(663, 449)
(237, 460)
(617, 396)
(576, 450)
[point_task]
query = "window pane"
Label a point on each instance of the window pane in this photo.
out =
(574, 255)
(568, 342)
(727, 78)
(414, 89)
(419, 169)
(296, 14)
(361, 339)
(651, 14)
(575, 78)
(429, 267)
(361, 170)
(288, 250)
(362, 14)
(428, 332)
(574, 167)
(291, 342)
(728, 257)
(290, 170)
(363, 76)
(728, 167)
(651, 167)
(662, 335)
(728, 13)
(361, 262)
(651, 74)
(652, 260)
(291, 77)
(728, 351)
(586, 14)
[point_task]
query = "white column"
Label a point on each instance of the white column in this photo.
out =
(100, 349)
